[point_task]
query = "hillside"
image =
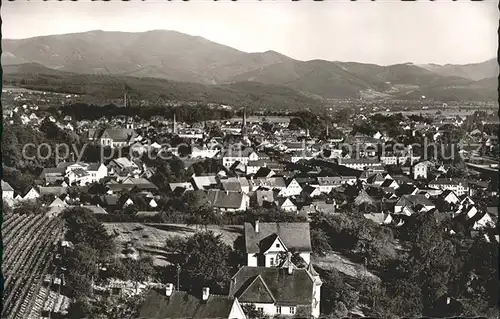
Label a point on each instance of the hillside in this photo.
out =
(160, 53)
(319, 77)
(486, 89)
(474, 71)
(249, 94)
(174, 56)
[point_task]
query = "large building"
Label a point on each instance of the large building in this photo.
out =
(113, 137)
(284, 290)
(171, 304)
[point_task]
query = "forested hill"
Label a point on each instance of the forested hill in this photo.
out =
(252, 95)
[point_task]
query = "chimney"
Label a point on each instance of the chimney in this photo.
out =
(257, 226)
(205, 293)
(169, 289)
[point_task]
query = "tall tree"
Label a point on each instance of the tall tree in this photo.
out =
(204, 259)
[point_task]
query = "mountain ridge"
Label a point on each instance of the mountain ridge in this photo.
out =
(175, 56)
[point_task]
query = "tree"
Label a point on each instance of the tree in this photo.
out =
(30, 207)
(80, 285)
(296, 123)
(429, 264)
(204, 258)
(406, 298)
(193, 201)
(320, 242)
(83, 227)
(80, 308)
(335, 290)
(82, 259)
(476, 277)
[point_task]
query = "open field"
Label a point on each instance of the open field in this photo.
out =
(345, 266)
(149, 238)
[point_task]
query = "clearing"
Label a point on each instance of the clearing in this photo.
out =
(149, 238)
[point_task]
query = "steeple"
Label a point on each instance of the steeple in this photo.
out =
(244, 133)
(244, 123)
(174, 128)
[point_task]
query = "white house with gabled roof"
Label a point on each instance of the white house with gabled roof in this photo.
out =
(266, 242)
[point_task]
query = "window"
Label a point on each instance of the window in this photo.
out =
(260, 310)
(278, 310)
(292, 310)
(277, 245)
(271, 261)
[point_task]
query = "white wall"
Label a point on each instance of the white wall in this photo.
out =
(306, 256)
(32, 194)
(270, 309)
(267, 308)
(268, 257)
(316, 301)
(252, 260)
(236, 311)
(8, 194)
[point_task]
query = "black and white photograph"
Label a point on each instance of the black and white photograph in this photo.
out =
(249, 159)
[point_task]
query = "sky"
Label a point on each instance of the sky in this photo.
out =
(380, 32)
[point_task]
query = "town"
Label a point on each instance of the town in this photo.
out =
(232, 213)
(249, 159)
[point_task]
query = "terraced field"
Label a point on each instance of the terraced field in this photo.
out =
(29, 243)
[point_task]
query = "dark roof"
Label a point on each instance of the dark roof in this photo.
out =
(239, 152)
(375, 178)
(405, 189)
(263, 172)
(387, 183)
(234, 184)
(268, 284)
(117, 134)
(183, 305)
(224, 199)
(110, 200)
(52, 171)
(293, 235)
(93, 166)
(363, 197)
(413, 200)
(52, 190)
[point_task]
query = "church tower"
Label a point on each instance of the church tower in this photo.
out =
(244, 132)
(244, 124)
(174, 128)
